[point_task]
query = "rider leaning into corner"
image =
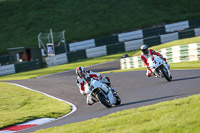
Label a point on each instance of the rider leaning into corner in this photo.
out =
(147, 53)
(84, 76)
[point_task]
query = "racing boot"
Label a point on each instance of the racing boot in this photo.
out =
(113, 90)
(168, 66)
(167, 63)
(90, 99)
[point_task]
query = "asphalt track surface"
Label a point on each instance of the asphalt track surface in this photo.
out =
(134, 88)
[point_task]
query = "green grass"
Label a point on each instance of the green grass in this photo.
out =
(88, 62)
(22, 20)
(186, 65)
(19, 105)
(177, 116)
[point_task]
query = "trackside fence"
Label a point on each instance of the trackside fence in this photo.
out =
(120, 43)
(56, 60)
(108, 49)
(7, 69)
(178, 27)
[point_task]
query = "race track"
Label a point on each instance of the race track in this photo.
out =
(134, 88)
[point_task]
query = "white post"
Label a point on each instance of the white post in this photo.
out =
(39, 39)
(51, 36)
(52, 40)
(64, 41)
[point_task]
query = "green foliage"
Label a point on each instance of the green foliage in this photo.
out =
(19, 105)
(22, 20)
(177, 116)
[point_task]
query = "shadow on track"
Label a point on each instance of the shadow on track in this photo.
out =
(148, 100)
(186, 78)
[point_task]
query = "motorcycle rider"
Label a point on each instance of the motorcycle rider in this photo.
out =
(147, 53)
(84, 76)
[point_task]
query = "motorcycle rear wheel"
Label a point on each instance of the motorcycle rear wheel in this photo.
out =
(103, 100)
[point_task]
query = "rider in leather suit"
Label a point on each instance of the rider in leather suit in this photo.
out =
(83, 77)
(147, 53)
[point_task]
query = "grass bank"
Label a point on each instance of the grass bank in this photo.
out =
(88, 62)
(19, 105)
(177, 116)
(22, 20)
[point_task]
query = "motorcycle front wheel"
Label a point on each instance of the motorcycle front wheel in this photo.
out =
(118, 100)
(103, 100)
(165, 73)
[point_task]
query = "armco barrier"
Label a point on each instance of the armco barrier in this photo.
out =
(106, 40)
(186, 34)
(154, 31)
(194, 23)
(190, 52)
(119, 43)
(95, 52)
(133, 45)
(130, 35)
(56, 60)
(76, 55)
(129, 45)
(169, 37)
(81, 45)
(7, 69)
(115, 48)
(138, 34)
(177, 26)
(112, 49)
(197, 31)
(151, 41)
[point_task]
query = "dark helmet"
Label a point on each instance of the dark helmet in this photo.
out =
(144, 49)
(80, 71)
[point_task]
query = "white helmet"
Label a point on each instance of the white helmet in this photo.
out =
(80, 71)
(144, 49)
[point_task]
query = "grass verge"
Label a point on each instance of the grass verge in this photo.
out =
(177, 116)
(88, 62)
(19, 105)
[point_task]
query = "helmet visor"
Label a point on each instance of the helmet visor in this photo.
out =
(145, 51)
(80, 74)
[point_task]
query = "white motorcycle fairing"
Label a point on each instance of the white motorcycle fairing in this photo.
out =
(96, 86)
(159, 67)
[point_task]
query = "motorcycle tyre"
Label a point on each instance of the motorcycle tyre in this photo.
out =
(103, 101)
(118, 100)
(165, 74)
